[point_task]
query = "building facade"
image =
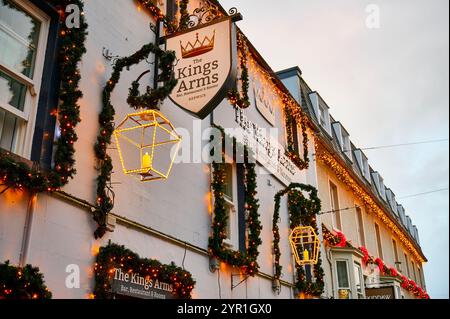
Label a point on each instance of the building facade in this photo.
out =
(172, 222)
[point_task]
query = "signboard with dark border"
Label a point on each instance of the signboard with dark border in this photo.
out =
(136, 286)
(385, 293)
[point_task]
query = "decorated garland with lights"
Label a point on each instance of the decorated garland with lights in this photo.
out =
(247, 261)
(302, 211)
(149, 101)
(22, 283)
(326, 158)
(292, 120)
(335, 239)
(236, 98)
(114, 257)
(14, 173)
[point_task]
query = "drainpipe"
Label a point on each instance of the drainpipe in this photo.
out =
(328, 254)
(27, 230)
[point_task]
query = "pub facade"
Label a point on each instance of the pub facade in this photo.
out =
(221, 179)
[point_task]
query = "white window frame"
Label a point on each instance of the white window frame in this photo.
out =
(361, 295)
(349, 278)
(22, 144)
(335, 213)
(361, 232)
(232, 242)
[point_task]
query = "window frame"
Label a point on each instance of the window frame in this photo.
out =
(23, 140)
(359, 273)
(336, 211)
(379, 240)
(349, 280)
(360, 225)
(232, 240)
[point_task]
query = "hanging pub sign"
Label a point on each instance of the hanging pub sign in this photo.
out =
(207, 64)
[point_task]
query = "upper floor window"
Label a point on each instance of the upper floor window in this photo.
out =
(379, 242)
(361, 232)
(334, 197)
(396, 256)
(407, 265)
(23, 37)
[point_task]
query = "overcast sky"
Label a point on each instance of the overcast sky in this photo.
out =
(387, 85)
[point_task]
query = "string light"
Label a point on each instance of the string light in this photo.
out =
(344, 176)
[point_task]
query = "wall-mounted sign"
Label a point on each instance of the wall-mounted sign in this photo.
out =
(206, 69)
(386, 293)
(268, 151)
(264, 102)
(136, 286)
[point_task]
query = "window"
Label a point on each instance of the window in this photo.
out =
(413, 270)
(343, 279)
(359, 280)
(361, 233)
(379, 243)
(407, 265)
(420, 277)
(23, 33)
(294, 130)
(229, 184)
(337, 223)
(323, 116)
(397, 259)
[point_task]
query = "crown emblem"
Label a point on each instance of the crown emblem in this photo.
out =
(198, 48)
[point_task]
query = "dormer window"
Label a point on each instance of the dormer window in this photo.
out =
(346, 145)
(322, 111)
(363, 164)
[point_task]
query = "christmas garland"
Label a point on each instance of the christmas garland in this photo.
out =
(302, 211)
(237, 99)
(170, 25)
(334, 239)
(106, 119)
(118, 257)
(22, 283)
(14, 173)
(247, 261)
(291, 152)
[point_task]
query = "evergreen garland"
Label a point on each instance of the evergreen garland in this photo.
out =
(106, 119)
(22, 283)
(248, 261)
(114, 256)
(301, 163)
(14, 173)
(237, 99)
(302, 211)
(170, 25)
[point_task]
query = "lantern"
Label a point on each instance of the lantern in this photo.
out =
(147, 144)
(306, 245)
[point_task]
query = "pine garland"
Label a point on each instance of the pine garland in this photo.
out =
(248, 261)
(301, 163)
(14, 173)
(149, 100)
(237, 99)
(22, 283)
(115, 256)
(302, 211)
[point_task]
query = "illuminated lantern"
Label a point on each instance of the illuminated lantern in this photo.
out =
(147, 144)
(306, 245)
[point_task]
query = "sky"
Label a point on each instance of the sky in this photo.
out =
(383, 68)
